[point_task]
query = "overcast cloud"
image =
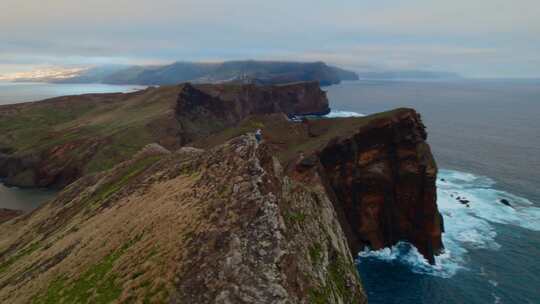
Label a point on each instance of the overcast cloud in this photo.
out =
(483, 38)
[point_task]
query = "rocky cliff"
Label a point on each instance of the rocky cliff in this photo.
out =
(378, 171)
(222, 226)
(205, 109)
(383, 179)
(54, 142)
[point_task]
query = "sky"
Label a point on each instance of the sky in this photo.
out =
(476, 38)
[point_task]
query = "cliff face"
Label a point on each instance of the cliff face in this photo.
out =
(222, 226)
(54, 142)
(384, 182)
(239, 101)
(206, 109)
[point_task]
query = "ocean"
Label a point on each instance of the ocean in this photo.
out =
(485, 136)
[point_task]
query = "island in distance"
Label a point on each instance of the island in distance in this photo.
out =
(248, 71)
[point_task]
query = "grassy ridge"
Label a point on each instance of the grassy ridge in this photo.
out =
(291, 138)
(90, 132)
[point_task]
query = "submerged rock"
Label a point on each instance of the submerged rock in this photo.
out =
(505, 202)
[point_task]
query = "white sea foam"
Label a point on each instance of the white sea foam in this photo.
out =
(336, 114)
(485, 204)
(407, 254)
(467, 226)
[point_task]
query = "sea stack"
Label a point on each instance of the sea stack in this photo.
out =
(384, 179)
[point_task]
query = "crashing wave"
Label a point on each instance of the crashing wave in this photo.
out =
(468, 226)
(405, 253)
(338, 114)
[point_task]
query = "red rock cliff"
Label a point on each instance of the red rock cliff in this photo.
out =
(383, 179)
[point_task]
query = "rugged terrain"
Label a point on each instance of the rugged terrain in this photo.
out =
(249, 71)
(199, 211)
(222, 226)
(54, 142)
(378, 170)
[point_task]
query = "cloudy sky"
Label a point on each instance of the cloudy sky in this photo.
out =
(478, 38)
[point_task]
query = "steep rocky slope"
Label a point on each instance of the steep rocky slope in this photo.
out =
(222, 226)
(54, 142)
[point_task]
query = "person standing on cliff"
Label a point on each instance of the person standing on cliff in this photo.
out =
(258, 135)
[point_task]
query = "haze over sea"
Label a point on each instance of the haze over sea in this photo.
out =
(485, 136)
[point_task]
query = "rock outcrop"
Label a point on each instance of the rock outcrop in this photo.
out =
(225, 225)
(53, 142)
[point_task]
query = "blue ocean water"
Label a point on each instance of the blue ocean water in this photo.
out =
(485, 136)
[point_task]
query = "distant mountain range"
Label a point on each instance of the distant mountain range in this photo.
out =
(261, 72)
(248, 71)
